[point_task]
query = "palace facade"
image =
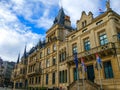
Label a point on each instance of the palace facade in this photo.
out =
(50, 64)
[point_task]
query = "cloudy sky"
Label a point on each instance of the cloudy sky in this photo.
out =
(26, 21)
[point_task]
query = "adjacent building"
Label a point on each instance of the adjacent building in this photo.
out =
(50, 64)
(6, 68)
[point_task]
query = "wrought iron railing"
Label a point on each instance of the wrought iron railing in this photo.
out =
(95, 50)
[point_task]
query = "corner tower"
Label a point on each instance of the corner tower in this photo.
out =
(60, 28)
(62, 19)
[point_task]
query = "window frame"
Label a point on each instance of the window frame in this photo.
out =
(74, 48)
(87, 44)
(109, 74)
(103, 40)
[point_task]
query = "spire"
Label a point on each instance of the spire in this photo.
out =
(60, 18)
(40, 43)
(25, 54)
(18, 58)
(60, 2)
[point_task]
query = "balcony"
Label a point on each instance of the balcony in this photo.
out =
(37, 71)
(104, 50)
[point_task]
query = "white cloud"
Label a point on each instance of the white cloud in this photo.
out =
(74, 8)
(14, 34)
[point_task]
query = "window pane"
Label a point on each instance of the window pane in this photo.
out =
(74, 48)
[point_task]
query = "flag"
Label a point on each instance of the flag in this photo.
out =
(99, 62)
(76, 59)
(83, 64)
(101, 11)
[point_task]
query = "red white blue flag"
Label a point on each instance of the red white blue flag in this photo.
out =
(99, 62)
(83, 64)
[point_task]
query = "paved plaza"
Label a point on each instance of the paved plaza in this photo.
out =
(1, 88)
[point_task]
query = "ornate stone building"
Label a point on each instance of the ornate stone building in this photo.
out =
(19, 74)
(51, 63)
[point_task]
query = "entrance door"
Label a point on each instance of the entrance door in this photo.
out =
(90, 73)
(75, 74)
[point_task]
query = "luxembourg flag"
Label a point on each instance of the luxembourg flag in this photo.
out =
(99, 62)
(83, 64)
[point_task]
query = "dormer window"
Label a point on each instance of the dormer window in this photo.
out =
(84, 30)
(99, 22)
(84, 23)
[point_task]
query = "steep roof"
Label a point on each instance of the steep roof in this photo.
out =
(60, 18)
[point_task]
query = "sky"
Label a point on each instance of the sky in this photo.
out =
(25, 22)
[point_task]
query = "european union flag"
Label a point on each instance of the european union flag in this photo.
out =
(76, 59)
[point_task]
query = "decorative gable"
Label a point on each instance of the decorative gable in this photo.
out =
(84, 20)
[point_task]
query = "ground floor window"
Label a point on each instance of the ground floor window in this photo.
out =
(75, 74)
(63, 76)
(108, 69)
(53, 78)
(46, 79)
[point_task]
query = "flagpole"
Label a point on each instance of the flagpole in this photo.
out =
(78, 78)
(100, 77)
(83, 78)
(76, 62)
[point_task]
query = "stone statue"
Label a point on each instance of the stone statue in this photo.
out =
(108, 4)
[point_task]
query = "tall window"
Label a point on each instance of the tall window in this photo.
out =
(103, 38)
(87, 44)
(36, 80)
(54, 60)
(32, 80)
(39, 79)
(40, 65)
(74, 48)
(63, 76)
(60, 76)
(75, 74)
(47, 77)
(47, 63)
(48, 50)
(40, 55)
(108, 70)
(54, 47)
(53, 78)
(118, 35)
(62, 55)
